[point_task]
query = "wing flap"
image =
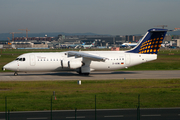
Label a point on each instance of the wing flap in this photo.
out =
(85, 55)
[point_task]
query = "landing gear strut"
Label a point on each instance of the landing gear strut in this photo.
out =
(15, 74)
(80, 72)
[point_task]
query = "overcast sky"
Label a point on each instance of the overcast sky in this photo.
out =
(115, 17)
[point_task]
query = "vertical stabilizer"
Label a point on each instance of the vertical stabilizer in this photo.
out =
(151, 42)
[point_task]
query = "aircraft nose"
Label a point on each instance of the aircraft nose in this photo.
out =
(9, 66)
(5, 67)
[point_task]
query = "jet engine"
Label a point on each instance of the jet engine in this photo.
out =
(72, 64)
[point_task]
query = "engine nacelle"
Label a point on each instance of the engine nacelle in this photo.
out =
(74, 64)
(64, 63)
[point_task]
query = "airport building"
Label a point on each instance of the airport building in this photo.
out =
(25, 45)
(34, 38)
(62, 41)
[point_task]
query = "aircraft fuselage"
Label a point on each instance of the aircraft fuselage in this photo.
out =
(53, 61)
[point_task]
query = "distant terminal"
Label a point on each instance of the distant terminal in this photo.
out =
(81, 41)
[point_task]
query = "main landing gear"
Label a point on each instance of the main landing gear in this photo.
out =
(84, 74)
(80, 72)
(15, 74)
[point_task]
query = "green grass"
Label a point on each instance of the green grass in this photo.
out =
(110, 94)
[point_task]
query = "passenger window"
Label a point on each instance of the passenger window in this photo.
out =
(24, 59)
(20, 59)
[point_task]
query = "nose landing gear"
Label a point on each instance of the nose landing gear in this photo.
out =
(15, 74)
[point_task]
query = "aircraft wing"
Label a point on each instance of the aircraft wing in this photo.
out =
(86, 55)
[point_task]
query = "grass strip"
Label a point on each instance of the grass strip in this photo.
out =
(110, 94)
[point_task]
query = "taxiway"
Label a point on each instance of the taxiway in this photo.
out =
(98, 75)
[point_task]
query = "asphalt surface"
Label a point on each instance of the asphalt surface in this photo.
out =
(114, 114)
(98, 75)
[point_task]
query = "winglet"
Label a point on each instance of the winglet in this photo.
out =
(151, 42)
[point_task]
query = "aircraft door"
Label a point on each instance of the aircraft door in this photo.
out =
(32, 60)
(127, 59)
(17, 65)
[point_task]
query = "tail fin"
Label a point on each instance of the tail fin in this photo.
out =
(151, 42)
(93, 43)
(83, 43)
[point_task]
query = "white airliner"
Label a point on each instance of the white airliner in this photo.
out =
(84, 62)
(89, 46)
(128, 45)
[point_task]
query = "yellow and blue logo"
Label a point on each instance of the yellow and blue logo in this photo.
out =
(151, 46)
(151, 42)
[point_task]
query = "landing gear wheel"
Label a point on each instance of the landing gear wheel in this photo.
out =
(80, 72)
(85, 74)
(15, 74)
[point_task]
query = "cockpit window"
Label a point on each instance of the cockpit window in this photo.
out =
(17, 59)
(20, 59)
